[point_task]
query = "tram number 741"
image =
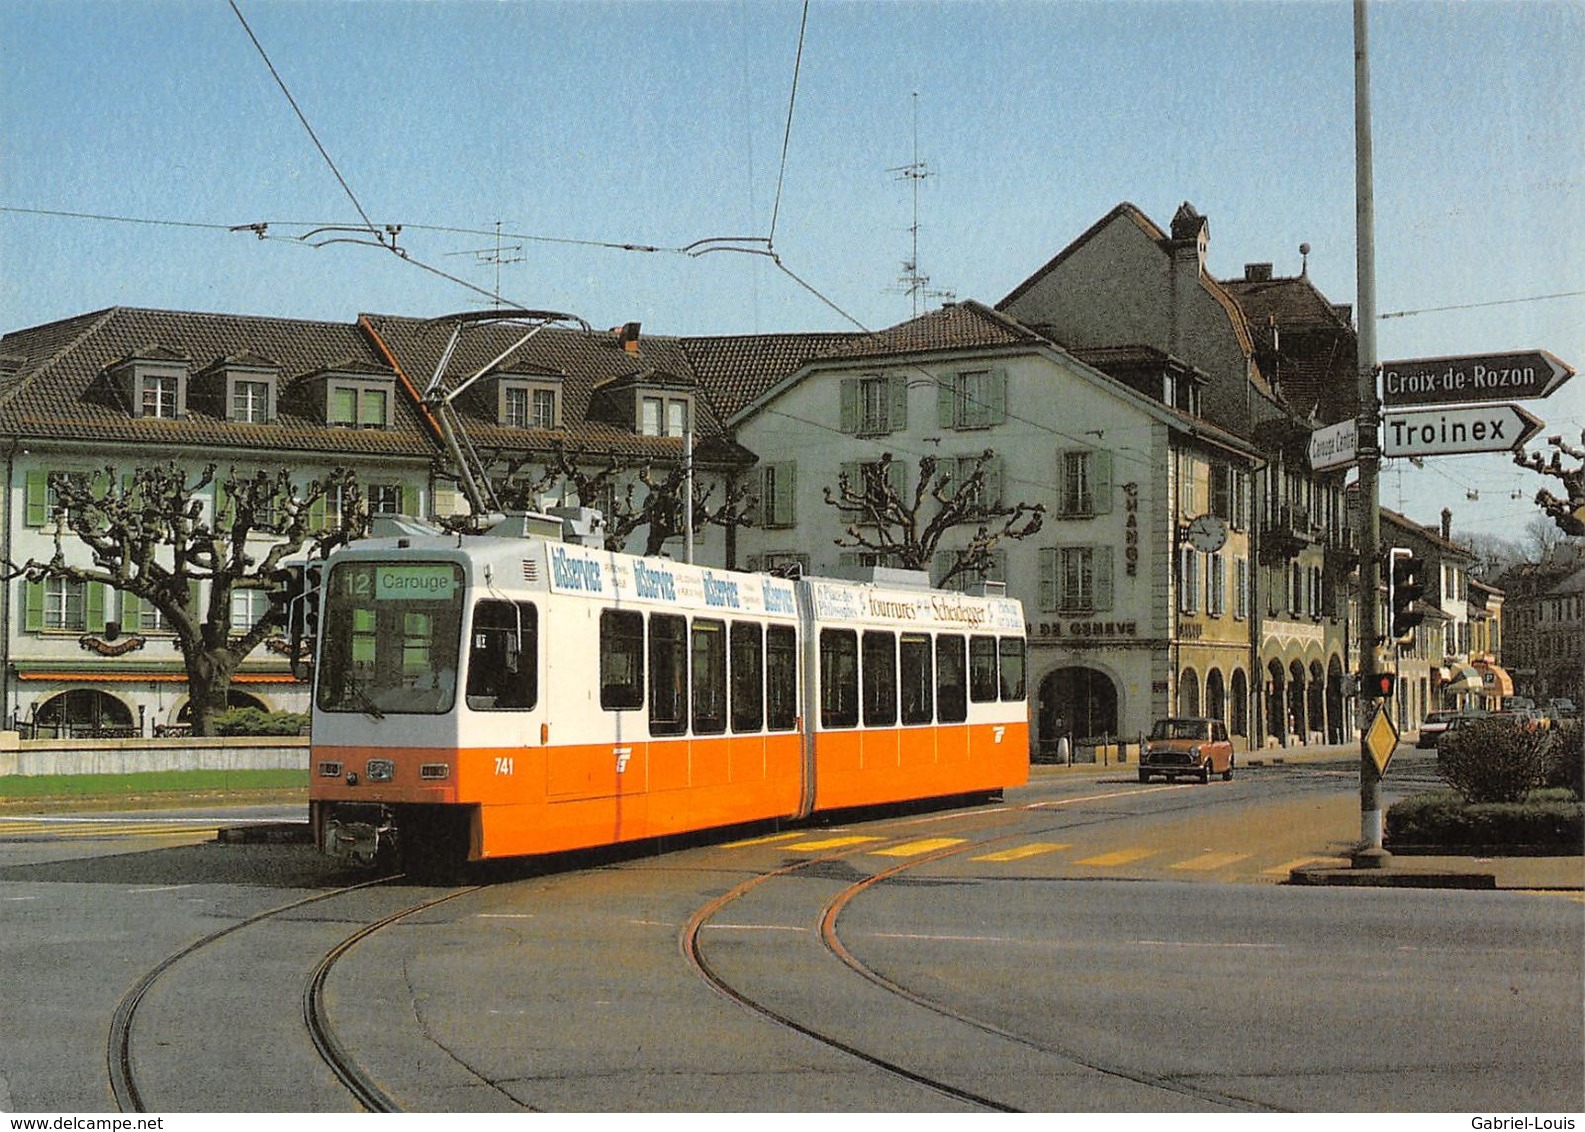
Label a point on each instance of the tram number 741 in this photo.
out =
(503, 764)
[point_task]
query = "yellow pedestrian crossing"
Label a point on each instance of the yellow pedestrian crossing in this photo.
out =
(1209, 861)
(919, 848)
(57, 829)
(1206, 862)
(1022, 852)
(1118, 857)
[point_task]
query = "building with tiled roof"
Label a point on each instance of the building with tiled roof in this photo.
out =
(1267, 360)
(124, 388)
(1124, 622)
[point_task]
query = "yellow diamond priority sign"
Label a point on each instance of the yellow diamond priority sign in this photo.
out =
(1381, 737)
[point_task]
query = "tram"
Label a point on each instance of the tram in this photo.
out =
(504, 694)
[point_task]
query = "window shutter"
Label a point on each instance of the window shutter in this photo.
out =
(897, 477)
(1222, 491)
(997, 409)
(991, 496)
(1101, 462)
(38, 497)
(1050, 595)
(131, 612)
(854, 474)
(33, 607)
(316, 514)
(786, 489)
(94, 619)
(409, 502)
(1102, 565)
(898, 418)
(1061, 480)
(850, 404)
(946, 401)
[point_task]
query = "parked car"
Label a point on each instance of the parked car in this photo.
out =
(1561, 707)
(1432, 727)
(1460, 719)
(1185, 746)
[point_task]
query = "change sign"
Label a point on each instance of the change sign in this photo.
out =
(1459, 381)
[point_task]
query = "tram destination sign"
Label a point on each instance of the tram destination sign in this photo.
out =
(1457, 431)
(1526, 375)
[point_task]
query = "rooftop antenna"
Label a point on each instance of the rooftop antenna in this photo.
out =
(497, 256)
(913, 282)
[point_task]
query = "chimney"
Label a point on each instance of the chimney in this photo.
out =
(627, 335)
(1447, 523)
(1257, 273)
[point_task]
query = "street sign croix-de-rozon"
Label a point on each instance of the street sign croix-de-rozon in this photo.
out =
(1526, 375)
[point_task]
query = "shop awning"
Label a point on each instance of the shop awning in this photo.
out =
(1495, 680)
(1465, 678)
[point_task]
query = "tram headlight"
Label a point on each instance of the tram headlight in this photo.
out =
(379, 770)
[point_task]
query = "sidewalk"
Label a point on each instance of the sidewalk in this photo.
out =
(1400, 870)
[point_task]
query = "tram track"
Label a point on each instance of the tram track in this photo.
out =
(130, 1094)
(693, 950)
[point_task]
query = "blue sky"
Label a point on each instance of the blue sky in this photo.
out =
(582, 125)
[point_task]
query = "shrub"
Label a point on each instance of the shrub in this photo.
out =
(1494, 760)
(1550, 821)
(253, 721)
(1568, 762)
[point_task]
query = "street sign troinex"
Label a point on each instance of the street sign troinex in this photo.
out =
(1457, 431)
(1460, 381)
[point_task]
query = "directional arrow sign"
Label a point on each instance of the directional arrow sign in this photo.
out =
(1457, 381)
(1453, 432)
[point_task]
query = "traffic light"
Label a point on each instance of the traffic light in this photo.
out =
(284, 597)
(1378, 686)
(1405, 587)
(312, 576)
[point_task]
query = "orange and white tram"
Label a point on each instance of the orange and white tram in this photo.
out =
(485, 696)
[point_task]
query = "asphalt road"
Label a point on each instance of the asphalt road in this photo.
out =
(1092, 945)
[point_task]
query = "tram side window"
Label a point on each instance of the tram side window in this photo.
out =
(746, 646)
(1012, 650)
(503, 660)
(952, 678)
(668, 674)
(621, 660)
(839, 678)
(781, 678)
(917, 679)
(709, 677)
(983, 684)
(880, 679)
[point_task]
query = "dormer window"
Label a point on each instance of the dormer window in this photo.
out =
(664, 414)
(153, 383)
(357, 404)
(239, 387)
(527, 404)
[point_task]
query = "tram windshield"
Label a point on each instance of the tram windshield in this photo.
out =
(390, 638)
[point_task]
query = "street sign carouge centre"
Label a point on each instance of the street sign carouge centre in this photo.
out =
(1457, 431)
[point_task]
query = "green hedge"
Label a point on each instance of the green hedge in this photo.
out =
(1548, 822)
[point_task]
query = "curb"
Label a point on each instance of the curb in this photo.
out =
(270, 833)
(1386, 878)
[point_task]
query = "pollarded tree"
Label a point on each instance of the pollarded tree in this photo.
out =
(602, 479)
(905, 528)
(1569, 512)
(150, 536)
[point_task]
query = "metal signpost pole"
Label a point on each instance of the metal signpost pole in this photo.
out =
(1370, 853)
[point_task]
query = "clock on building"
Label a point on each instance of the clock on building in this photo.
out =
(1208, 534)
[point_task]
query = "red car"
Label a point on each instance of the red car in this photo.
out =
(1186, 747)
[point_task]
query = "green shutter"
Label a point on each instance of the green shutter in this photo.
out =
(850, 404)
(1101, 462)
(316, 514)
(33, 607)
(94, 617)
(1048, 578)
(38, 497)
(897, 477)
(409, 502)
(946, 400)
(786, 494)
(131, 612)
(898, 418)
(997, 410)
(1102, 563)
(1061, 480)
(992, 495)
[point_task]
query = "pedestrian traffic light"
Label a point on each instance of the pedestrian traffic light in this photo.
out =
(1377, 686)
(284, 597)
(1405, 587)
